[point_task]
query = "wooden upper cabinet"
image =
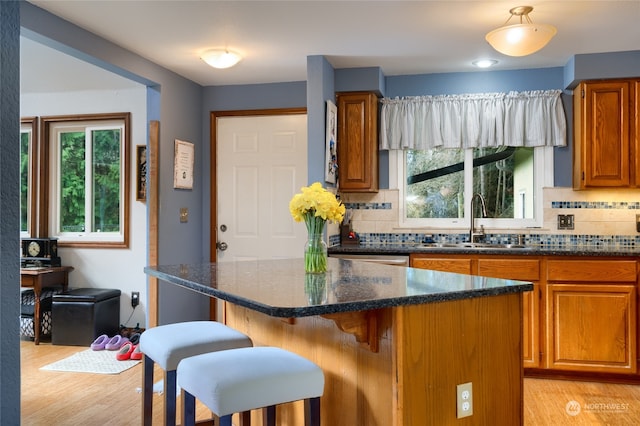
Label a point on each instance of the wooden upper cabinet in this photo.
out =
(358, 141)
(606, 134)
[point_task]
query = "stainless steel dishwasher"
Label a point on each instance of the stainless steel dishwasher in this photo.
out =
(397, 260)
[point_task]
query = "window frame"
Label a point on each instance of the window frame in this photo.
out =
(30, 125)
(50, 190)
(543, 177)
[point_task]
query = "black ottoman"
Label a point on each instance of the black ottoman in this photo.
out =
(81, 315)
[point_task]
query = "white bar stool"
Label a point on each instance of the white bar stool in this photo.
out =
(167, 345)
(241, 380)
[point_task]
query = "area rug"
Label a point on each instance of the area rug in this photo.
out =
(90, 361)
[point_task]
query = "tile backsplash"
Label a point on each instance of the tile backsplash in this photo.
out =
(601, 217)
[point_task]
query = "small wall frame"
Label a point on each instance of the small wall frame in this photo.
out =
(183, 165)
(331, 144)
(141, 172)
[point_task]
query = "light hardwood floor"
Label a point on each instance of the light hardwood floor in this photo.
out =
(61, 399)
(71, 399)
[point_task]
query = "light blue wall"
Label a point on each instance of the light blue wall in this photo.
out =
(360, 80)
(177, 103)
(474, 82)
(10, 213)
(320, 88)
(602, 65)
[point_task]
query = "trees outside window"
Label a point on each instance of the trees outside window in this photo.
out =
(88, 190)
(28, 176)
(437, 185)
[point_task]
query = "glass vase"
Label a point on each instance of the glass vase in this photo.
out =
(315, 287)
(315, 254)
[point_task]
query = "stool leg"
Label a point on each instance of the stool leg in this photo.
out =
(312, 412)
(269, 415)
(170, 398)
(147, 391)
(245, 418)
(225, 420)
(188, 409)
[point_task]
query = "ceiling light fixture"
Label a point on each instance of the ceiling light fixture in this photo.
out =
(521, 39)
(484, 63)
(219, 58)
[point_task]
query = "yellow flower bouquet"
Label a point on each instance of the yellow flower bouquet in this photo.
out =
(315, 205)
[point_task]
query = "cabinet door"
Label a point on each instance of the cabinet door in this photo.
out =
(358, 142)
(524, 270)
(602, 132)
(591, 327)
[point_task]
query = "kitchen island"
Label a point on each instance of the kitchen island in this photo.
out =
(393, 342)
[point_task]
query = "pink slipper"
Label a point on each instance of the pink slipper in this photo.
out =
(125, 351)
(116, 343)
(100, 342)
(136, 354)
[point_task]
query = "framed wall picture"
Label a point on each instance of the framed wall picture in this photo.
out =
(331, 144)
(183, 165)
(141, 172)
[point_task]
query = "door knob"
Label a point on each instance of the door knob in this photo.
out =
(222, 246)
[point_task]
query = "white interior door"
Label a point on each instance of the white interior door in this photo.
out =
(261, 163)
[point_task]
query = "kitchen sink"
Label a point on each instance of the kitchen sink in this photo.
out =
(480, 246)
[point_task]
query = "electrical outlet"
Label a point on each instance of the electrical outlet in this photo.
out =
(565, 221)
(464, 394)
(135, 299)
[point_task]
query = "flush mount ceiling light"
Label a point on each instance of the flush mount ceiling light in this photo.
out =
(521, 39)
(219, 58)
(484, 63)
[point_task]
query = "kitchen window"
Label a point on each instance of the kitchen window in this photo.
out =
(28, 176)
(444, 149)
(88, 186)
(436, 186)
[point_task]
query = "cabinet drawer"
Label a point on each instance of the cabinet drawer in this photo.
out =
(592, 270)
(512, 269)
(459, 266)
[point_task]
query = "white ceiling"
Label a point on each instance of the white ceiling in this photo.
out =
(275, 37)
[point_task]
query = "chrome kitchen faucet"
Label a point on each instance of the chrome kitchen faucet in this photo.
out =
(474, 236)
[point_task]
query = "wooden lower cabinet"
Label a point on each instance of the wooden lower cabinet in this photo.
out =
(523, 270)
(591, 316)
(581, 317)
(503, 267)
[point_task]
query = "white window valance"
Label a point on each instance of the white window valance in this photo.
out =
(523, 119)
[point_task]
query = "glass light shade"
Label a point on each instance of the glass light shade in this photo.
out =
(220, 58)
(521, 39)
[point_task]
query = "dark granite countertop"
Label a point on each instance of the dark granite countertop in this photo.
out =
(410, 248)
(280, 288)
